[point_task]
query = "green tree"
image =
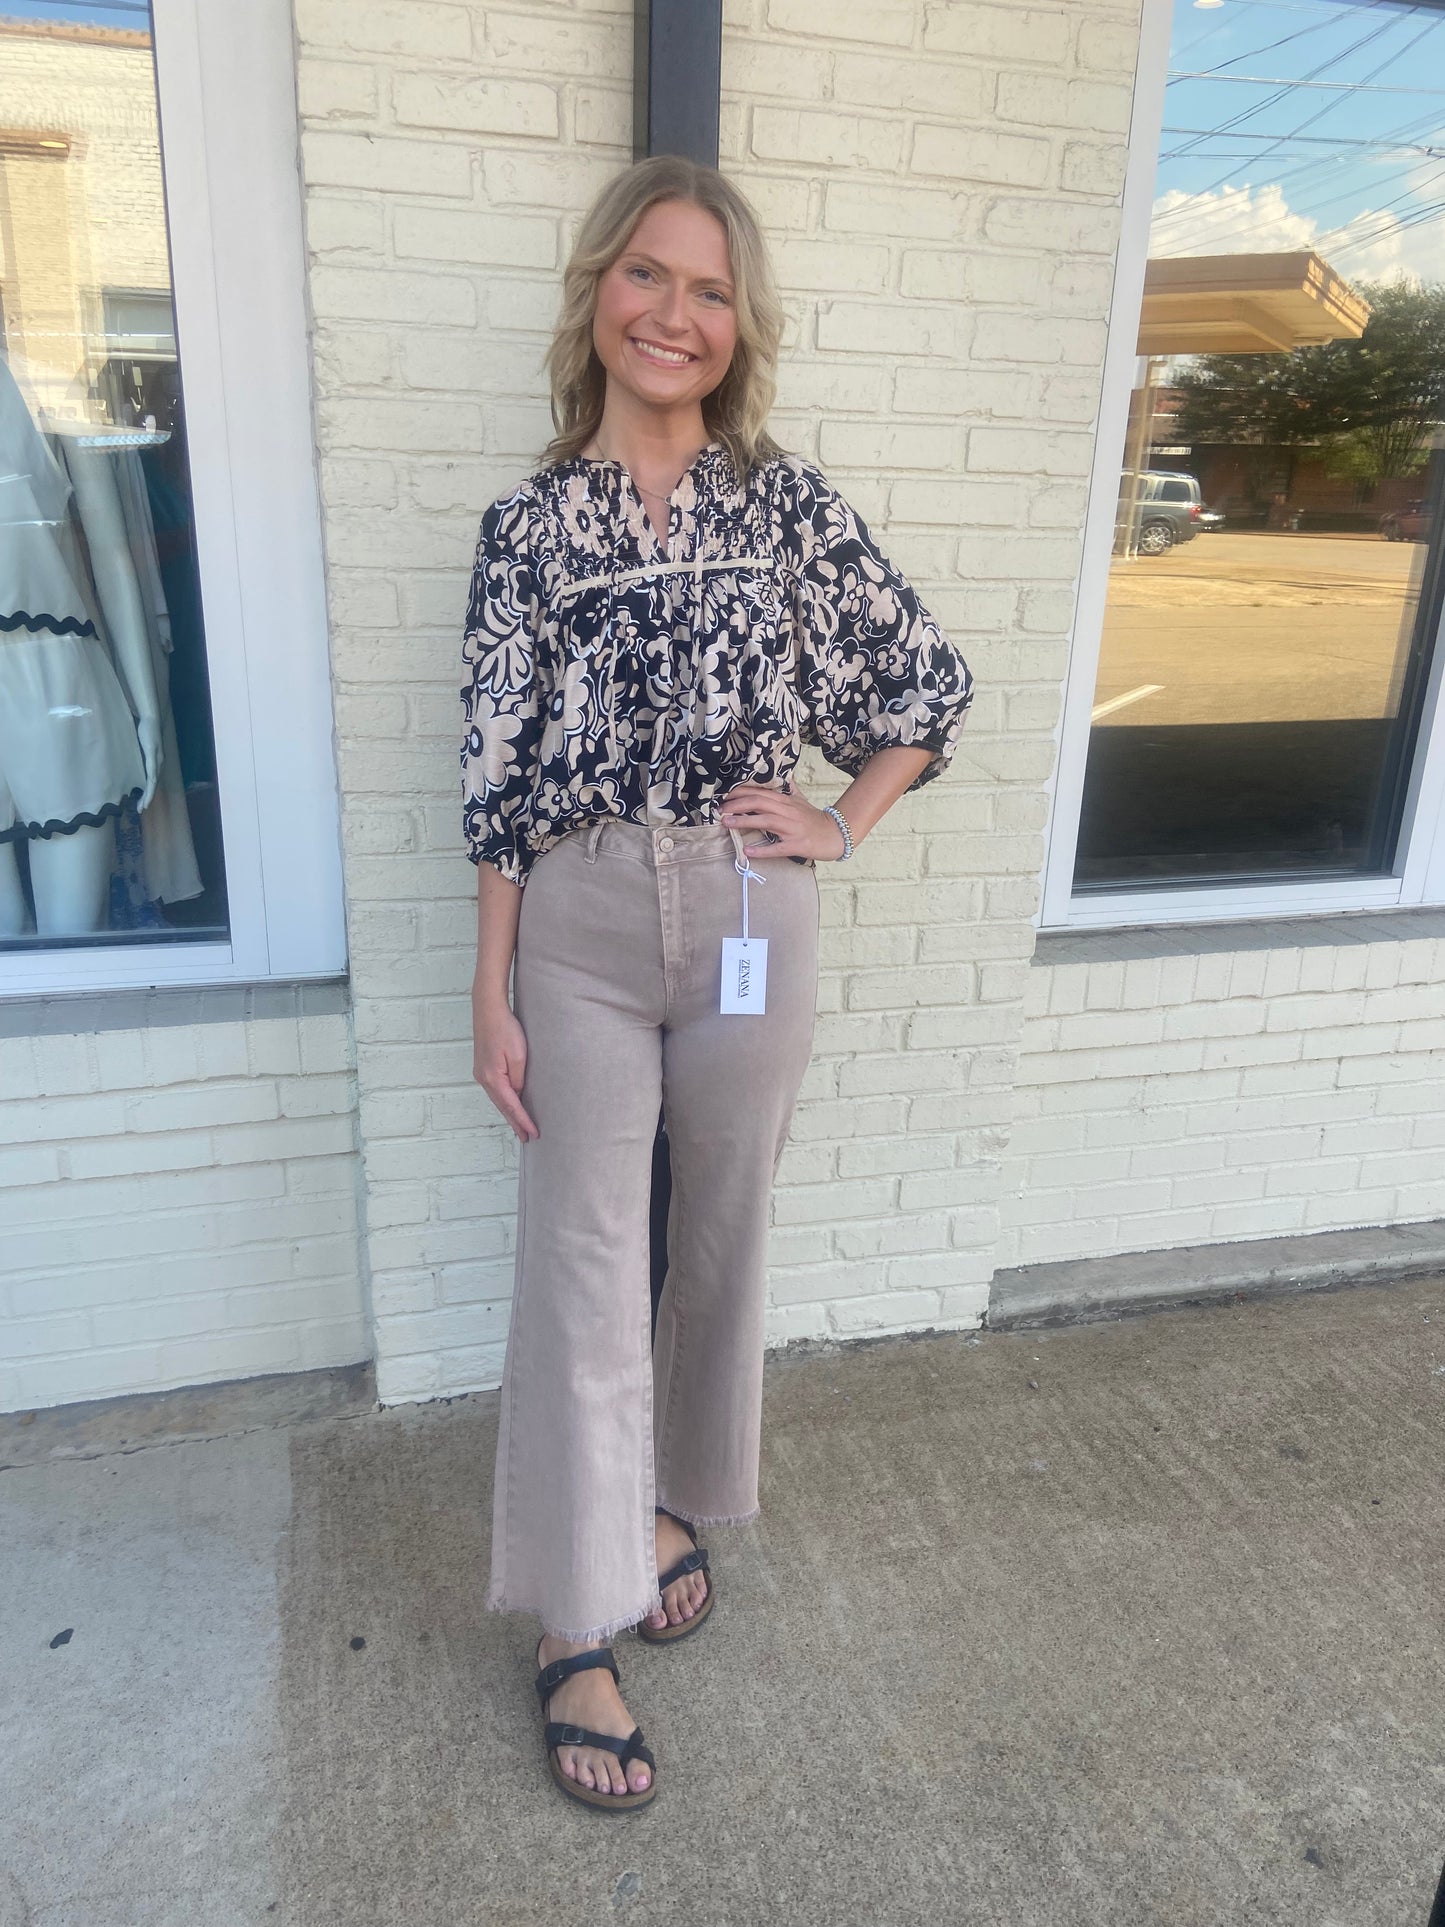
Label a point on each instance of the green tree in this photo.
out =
(1256, 400)
(1370, 404)
(1367, 456)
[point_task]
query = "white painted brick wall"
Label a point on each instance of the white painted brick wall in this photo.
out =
(917, 247)
(177, 1206)
(946, 287)
(1240, 1094)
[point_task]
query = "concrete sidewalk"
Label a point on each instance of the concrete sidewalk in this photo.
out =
(1131, 1625)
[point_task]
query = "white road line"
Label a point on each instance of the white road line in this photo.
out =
(1100, 710)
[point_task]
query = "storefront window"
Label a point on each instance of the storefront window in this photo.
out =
(109, 822)
(1274, 591)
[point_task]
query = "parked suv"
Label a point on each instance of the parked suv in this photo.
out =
(1170, 505)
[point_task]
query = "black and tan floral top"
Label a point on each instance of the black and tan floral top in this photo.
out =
(604, 676)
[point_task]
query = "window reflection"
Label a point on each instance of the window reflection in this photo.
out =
(1272, 598)
(109, 830)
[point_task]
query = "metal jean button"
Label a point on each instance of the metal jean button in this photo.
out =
(664, 843)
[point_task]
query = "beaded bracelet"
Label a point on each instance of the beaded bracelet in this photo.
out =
(842, 822)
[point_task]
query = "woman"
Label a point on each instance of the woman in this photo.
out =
(660, 618)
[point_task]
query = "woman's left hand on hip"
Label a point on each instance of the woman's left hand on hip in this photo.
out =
(754, 809)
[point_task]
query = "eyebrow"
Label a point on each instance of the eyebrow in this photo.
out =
(651, 260)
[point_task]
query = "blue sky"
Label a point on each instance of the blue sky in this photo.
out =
(103, 13)
(1291, 124)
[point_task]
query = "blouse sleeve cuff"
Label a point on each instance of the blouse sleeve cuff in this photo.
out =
(506, 858)
(939, 734)
(942, 738)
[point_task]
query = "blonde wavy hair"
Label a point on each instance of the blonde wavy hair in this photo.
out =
(736, 412)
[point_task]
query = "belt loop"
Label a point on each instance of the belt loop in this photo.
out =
(737, 838)
(589, 848)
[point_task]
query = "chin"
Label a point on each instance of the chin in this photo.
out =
(664, 394)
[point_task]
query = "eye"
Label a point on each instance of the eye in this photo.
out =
(645, 273)
(716, 296)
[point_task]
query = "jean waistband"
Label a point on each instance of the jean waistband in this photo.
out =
(661, 843)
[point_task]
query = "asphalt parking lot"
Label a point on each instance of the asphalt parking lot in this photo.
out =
(1257, 628)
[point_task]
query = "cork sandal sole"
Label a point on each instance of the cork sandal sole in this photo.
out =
(558, 1733)
(694, 1561)
(601, 1802)
(669, 1635)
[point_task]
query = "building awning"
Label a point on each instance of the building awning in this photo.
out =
(1245, 304)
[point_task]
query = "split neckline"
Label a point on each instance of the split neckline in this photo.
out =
(661, 541)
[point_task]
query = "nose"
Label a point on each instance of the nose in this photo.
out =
(671, 309)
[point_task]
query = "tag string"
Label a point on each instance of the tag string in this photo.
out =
(745, 870)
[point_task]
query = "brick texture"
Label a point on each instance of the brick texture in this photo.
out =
(177, 1206)
(946, 380)
(920, 381)
(1251, 1094)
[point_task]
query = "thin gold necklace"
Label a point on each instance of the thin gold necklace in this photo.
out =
(651, 494)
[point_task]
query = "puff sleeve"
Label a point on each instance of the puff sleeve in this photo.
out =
(874, 669)
(502, 709)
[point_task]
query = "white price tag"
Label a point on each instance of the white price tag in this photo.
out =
(744, 976)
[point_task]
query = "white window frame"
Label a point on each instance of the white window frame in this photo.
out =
(1420, 869)
(228, 120)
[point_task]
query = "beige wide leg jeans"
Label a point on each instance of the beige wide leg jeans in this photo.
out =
(617, 985)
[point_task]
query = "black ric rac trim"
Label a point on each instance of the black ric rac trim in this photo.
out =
(55, 625)
(87, 819)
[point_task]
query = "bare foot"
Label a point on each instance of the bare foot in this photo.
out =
(684, 1597)
(591, 1699)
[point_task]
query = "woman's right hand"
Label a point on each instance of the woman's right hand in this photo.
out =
(499, 1062)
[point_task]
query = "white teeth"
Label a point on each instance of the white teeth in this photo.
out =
(670, 356)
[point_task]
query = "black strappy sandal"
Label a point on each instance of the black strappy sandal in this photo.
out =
(694, 1561)
(557, 1733)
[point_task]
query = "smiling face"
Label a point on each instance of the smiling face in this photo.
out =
(665, 326)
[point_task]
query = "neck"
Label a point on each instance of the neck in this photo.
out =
(653, 444)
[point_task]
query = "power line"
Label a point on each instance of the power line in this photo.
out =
(1342, 86)
(1416, 123)
(1332, 9)
(1311, 140)
(1368, 213)
(1252, 55)
(1336, 249)
(1410, 194)
(1433, 212)
(1337, 241)
(1272, 99)
(1393, 221)
(1386, 222)
(1389, 142)
(1324, 66)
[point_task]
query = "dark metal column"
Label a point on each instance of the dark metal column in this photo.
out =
(676, 78)
(676, 94)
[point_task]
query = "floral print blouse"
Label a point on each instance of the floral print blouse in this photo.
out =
(607, 676)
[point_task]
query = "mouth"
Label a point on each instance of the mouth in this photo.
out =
(664, 357)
